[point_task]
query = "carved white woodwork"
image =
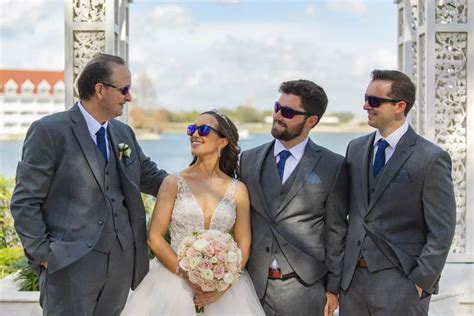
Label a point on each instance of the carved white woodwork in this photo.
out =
(88, 10)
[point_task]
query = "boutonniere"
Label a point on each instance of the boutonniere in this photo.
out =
(124, 151)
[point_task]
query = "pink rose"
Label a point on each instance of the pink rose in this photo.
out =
(194, 277)
(219, 245)
(232, 267)
(204, 265)
(184, 264)
(222, 256)
(209, 251)
(191, 252)
(219, 271)
(208, 286)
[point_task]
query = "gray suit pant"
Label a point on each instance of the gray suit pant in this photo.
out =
(292, 297)
(382, 293)
(96, 284)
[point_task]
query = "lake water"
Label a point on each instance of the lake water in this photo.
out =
(172, 151)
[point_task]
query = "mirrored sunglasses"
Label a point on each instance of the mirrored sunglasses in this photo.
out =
(203, 130)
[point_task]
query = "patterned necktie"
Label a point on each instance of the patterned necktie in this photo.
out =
(101, 142)
(284, 154)
(379, 161)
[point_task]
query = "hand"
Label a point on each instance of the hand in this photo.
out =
(196, 288)
(331, 304)
(419, 289)
(206, 298)
(45, 264)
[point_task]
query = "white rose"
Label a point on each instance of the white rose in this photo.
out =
(207, 274)
(188, 241)
(232, 257)
(193, 262)
(228, 278)
(200, 244)
(213, 260)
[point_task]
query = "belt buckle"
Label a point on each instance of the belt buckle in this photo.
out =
(274, 274)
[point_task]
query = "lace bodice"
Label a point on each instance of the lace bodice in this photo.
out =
(187, 216)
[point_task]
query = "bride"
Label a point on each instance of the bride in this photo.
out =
(206, 195)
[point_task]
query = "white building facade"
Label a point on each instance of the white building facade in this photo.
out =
(26, 96)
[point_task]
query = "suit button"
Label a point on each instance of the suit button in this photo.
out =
(101, 222)
(112, 199)
(107, 187)
(267, 249)
(107, 173)
(89, 245)
(358, 243)
(373, 190)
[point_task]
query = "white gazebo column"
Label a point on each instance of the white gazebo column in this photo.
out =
(93, 27)
(436, 48)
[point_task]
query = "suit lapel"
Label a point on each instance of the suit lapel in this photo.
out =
(310, 158)
(81, 131)
(114, 141)
(364, 166)
(402, 152)
(257, 177)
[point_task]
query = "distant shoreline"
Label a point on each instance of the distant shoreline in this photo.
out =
(253, 128)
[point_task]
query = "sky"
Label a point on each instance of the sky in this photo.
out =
(206, 54)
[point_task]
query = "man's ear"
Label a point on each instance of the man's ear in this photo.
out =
(99, 90)
(401, 106)
(313, 120)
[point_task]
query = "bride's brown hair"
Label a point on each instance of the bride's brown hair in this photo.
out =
(229, 159)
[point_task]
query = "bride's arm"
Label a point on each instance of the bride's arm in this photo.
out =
(242, 229)
(160, 221)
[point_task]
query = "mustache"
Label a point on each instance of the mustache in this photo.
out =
(279, 122)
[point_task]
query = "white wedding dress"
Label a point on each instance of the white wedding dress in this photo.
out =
(164, 293)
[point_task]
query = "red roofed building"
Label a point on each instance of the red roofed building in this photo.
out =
(26, 96)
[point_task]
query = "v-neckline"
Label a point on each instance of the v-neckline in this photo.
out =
(199, 206)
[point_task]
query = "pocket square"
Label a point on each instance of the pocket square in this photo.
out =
(313, 178)
(403, 177)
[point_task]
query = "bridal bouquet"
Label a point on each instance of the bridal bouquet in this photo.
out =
(211, 260)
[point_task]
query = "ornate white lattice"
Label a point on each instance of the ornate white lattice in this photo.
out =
(451, 117)
(88, 10)
(414, 57)
(86, 44)
(451, 11)
(421, 84)
(421, 12)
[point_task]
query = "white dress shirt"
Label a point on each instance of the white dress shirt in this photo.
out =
(391, 139)
(293, 160)
(93, 126)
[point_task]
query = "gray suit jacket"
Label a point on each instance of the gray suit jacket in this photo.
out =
(59, 196)
(309, 226)
(411, 215)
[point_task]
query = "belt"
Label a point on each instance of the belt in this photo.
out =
(362, 263)
(277, 275)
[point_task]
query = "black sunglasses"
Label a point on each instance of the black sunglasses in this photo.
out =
(203, 130)
(375, 102)
(123, 91)
(287, 112)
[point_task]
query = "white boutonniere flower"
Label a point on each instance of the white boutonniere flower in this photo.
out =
(124, 151)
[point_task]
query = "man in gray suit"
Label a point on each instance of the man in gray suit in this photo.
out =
(402, 212)
(77, 203)
(298, 209)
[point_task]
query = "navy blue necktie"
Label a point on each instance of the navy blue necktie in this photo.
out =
(379, 160)
(101, 142)
(284, 154)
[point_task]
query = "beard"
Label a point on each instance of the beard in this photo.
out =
(287, 134)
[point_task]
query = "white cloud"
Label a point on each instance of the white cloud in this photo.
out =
(170, 16)
(20, 12)
(310, 11)
(355, 7)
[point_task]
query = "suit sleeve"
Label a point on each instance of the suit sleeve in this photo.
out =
(150, 176)
(33, 179)
(440, 218)
(336, 229)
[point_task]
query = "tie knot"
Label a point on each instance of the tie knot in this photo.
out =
(382, 143)
(100, 132)
(284, 154)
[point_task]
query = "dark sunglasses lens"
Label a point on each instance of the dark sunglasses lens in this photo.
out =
(276, 107)
(373, 102)
(191, 129)
(287, 113)
(204, 130)
(125, 90)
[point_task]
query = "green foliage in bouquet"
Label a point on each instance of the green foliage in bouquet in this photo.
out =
(26, 278)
